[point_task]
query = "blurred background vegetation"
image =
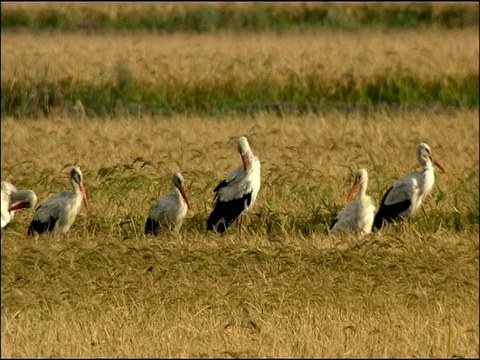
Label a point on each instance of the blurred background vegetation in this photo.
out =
(257, 16)
(26, 96)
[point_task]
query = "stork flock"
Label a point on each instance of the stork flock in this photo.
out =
(233, 196)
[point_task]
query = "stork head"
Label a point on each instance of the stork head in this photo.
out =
(361, 178)
(23, 199)
(424, 156)
(243, 148)
(179, 183)
(76, 177)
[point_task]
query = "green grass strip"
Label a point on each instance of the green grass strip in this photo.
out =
(106, 98)
(257, 17)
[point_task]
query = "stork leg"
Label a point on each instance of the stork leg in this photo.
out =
(239, 226)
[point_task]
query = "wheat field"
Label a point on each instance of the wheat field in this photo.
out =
(156, 57)
(286, 287)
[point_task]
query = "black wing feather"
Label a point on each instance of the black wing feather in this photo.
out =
(151, 226)
(389, 212)
(333, 223)
(225, 212)
(37, 226)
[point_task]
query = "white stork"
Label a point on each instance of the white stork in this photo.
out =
(58, 212)
(404, 198)
(358, 214)
(170, 210)
(13, 199)
(237, 193)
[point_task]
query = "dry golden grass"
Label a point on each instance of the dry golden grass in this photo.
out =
(151, 57)
(285, 289)
(290, 144)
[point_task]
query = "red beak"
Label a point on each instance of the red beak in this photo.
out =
(438, 164)
(352, 191)
(183, 191)
(244, 161)
(84, 194)
(17, 206)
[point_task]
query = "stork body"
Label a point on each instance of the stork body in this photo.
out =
(405, 197)
(170, 210)
(59, 211)
(237, 192)
(13, 200)
(358, 215)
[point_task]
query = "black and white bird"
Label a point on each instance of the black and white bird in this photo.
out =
(358, 214)
(405, 196)
(13, 200)
(238, 192)
(58, 212)
(170, 210)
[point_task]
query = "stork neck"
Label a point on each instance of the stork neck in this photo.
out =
(75, 187)
(363, 190)
(249, 158)
(428, 166)
(26, 196)
(177, 191)
(428, 170)
(428, 179)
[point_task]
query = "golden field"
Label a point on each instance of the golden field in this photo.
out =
(285, 288)
(152, 58)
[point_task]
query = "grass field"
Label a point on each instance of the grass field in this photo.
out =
(163, 74)
(285, 288)
(150, 57)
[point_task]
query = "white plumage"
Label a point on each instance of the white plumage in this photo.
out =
(358, 215)
(13, 199)
(59, 211)
(405, 197)
(238, 192)
(170, 210)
